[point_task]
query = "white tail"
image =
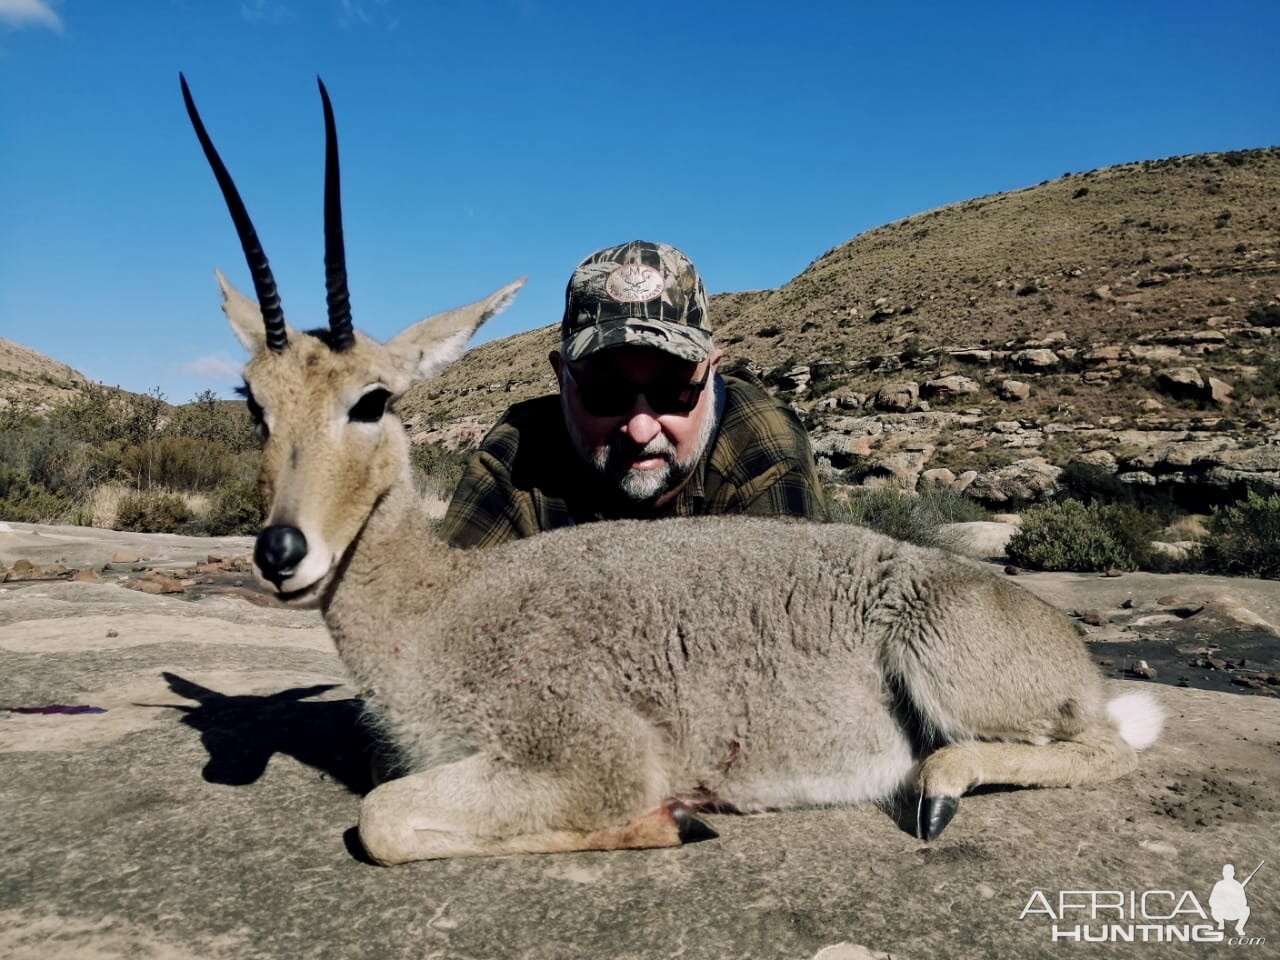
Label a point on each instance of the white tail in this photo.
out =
(1137, 717)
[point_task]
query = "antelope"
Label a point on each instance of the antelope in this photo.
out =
(600, 687)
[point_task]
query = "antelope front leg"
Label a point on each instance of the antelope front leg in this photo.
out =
(475, 808)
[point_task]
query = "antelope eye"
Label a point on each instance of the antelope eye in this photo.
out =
(370, 407)
(255, 411)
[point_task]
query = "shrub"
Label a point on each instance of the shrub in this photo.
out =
(1264, 315)
(212, 420)
(99, 415)
(1244, 538)
(900, 515)
(1074, 536)
(436, 469)
(1090, 483)
(152, 512)
(179, 462)
(26, 501)
(236, 509)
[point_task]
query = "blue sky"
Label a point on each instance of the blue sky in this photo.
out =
(487, 139)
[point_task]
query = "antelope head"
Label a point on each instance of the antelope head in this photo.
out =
(322, 399)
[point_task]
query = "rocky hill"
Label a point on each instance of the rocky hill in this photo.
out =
(33, 380)
(1126, 317)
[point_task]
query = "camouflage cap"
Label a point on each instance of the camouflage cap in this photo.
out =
(638, 292)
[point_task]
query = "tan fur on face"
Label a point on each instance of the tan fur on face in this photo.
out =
(320, 472)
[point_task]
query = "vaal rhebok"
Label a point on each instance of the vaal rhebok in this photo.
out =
(596, 687)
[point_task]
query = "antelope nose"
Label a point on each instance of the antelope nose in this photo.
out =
(278, 552)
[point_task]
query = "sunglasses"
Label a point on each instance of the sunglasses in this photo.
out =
(609, 397)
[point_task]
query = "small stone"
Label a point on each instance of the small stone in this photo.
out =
(1115, 572)
(1127, 604)
(113, 633)
(1143, 670)
(1011, 570)
(1095, 618)
(86, 575)
(167, 584)
(124, 556)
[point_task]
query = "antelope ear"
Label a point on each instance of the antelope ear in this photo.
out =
(244, 316)
(430, 345)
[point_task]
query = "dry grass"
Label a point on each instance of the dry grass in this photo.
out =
(103, 503)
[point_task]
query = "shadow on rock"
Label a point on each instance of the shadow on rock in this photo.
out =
(243, 732)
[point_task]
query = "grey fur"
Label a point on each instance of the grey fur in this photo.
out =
(565, 692)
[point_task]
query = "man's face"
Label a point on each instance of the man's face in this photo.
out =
(627, 412)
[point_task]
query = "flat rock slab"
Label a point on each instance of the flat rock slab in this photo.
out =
(206, 812)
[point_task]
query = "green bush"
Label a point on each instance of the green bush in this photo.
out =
(236, 509)
(99, 415)
(181, 463)
(1090, 483)
(436, 469)
(1083, 537)
(1244, 538)
(898, 514)
(211, 420)
(152, 512)
(22, 499)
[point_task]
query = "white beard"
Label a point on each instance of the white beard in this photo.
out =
(642, 487)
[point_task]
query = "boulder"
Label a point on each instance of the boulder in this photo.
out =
(1035, 359)
(1014, 390)
(794, 380)
(980, 539)
(944, 388)
(898, 396)
(1026, 481)
(1097, 458)
(976, 357)
(1182, 383)
(939, 478)
(901, 469)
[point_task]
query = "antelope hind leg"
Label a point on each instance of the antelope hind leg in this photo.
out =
(946, 774)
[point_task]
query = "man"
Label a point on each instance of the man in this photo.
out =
(644, 426)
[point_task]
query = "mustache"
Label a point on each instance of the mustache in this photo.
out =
(659, 446)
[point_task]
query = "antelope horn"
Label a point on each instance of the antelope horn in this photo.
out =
(264, 283)
(335, 258)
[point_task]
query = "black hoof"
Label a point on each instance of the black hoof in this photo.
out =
(933, 816)
(689, 828)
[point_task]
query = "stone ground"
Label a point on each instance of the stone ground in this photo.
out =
(204, 808)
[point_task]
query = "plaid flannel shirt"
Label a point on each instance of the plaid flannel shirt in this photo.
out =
(527, 477)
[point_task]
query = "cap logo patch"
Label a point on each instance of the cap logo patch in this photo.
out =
(634, 283)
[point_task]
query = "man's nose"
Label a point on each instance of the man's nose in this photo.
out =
(641, 425)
